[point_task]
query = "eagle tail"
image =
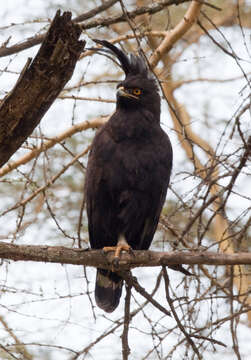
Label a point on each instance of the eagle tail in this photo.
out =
(108, 290)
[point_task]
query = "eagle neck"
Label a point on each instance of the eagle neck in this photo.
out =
(132, 123)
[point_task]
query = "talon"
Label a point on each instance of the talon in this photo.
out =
(115, 262)
(107, 249)
(121, 245)
(131, 252)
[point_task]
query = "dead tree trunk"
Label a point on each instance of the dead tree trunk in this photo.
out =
(39, 84)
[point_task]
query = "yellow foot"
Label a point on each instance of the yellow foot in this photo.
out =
(121, 245)
(117, 249)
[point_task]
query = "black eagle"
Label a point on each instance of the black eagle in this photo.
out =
(128, 172)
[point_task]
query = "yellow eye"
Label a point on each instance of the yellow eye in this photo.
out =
(136, 91)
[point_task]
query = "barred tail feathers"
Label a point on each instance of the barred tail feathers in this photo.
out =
(108, 290)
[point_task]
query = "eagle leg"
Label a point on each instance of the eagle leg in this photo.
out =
(121, 245)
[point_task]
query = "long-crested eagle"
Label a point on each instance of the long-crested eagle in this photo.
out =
(128, 172)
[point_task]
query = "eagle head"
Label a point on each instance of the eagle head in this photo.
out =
(139, 89)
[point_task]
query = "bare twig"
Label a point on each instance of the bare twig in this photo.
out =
(124, 337)
(48, 183)
(90, 124)
(151, 9)
(174, 313)
(97, 10)
(118, 323)
(180, 29)
(132, 281)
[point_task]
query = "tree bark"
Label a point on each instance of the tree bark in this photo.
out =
(39, 84)
(96, 258)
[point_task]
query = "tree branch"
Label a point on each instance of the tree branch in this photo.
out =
(96, 258)
(107, 21)
(174, 35)
(124, 337)
(174, 313)
(39, 84)
(89, 124)
(35, 40)
(48, 183)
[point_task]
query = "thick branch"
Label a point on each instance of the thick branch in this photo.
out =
(39, 84)
(96, 258)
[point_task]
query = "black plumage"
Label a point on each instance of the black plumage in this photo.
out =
(128, 171)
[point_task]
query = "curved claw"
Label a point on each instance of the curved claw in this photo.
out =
(131, 252)
(122, 245)
(115, 262)
(107, 249)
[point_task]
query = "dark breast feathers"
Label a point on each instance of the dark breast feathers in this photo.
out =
(126, 182)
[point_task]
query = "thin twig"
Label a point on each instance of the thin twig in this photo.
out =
(48, 183)
(124, 337)
(132, 281)
(152, 9)
(90, 124)
(175, 315)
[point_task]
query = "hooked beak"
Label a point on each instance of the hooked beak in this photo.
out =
(122, 92)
